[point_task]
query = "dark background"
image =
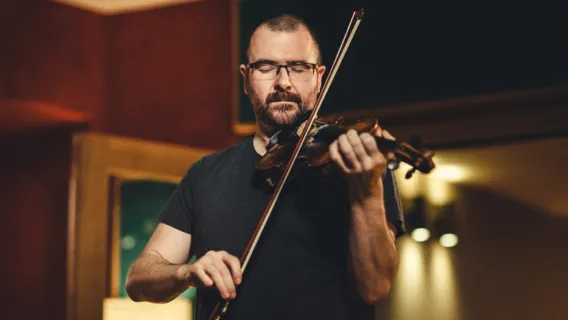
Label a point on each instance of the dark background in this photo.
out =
(407, 51)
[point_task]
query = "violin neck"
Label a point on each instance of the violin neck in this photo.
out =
(385, 144)
(331, 133)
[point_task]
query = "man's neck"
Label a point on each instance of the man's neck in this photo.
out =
(262, 137)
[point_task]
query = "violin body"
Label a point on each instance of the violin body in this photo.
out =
(314, 154)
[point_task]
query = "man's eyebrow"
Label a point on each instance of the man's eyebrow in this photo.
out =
(265, 61)
(296, 61)
(268, 61)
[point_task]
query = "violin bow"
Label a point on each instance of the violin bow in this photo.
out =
(245, 258)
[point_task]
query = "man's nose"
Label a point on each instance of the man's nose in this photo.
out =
(283, 80)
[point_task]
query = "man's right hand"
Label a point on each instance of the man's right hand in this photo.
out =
(216, 267)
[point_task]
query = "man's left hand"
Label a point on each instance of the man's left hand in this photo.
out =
(359, 157)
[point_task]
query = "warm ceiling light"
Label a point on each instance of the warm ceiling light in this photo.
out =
(448, 240)
(420, 234)
(121, 6)
(445, 225)
(449, 173)
(440, 193)
(416, 220)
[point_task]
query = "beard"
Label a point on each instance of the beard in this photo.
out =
(280, 108)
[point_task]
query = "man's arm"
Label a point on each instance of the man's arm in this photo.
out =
(155, 275)
(161, 273)
(373, 258)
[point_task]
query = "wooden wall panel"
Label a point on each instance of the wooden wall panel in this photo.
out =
(7, 14)
(35, 171)
(170, 74)
(164, 75)
(477, 120)
(510, 263)
(55, 55)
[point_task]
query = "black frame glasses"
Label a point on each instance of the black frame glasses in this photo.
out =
(269, 70)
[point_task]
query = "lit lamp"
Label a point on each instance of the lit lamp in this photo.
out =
(445, 225)
(416, 220)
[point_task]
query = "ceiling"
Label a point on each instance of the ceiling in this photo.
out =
(530, 172)
(116, 7)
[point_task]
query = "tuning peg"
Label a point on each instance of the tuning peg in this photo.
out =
(410, 173)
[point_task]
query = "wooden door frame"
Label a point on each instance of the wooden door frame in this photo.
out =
(97, 160)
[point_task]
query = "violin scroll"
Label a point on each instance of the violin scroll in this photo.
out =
(418, 159)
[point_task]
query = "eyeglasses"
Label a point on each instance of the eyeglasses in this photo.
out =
(297, 71)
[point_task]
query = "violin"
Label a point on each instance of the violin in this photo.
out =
(307, 145)
(315, 151)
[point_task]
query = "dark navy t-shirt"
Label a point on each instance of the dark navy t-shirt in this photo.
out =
(298, 270)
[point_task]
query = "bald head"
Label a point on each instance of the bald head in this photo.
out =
(286, 24)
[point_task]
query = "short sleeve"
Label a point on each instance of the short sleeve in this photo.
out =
(393, 205)
(178, 212)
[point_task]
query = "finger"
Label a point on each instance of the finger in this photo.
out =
(235, 265)
(215, 274)
(347, 153)
(336, 157)
(369, 143)
(375, 157)
(202, 276)
(226, 276)
(357, 146)
(391, 156)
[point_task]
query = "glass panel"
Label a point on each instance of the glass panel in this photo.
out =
(140, 205)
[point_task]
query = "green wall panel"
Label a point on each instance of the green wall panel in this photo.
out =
(140, 205)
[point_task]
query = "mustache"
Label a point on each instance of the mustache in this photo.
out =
(279, 96)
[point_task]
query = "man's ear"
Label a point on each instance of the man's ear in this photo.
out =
(243, 70)
(321, 72)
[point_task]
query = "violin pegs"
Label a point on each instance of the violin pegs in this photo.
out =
(410, 173)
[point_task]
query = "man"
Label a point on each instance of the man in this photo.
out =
(328, 250)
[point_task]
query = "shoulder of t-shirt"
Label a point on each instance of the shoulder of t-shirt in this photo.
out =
(209, 162)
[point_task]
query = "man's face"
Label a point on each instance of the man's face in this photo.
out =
(285, 98)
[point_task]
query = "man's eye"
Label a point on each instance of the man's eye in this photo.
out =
(300, 68)
(265, 68)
